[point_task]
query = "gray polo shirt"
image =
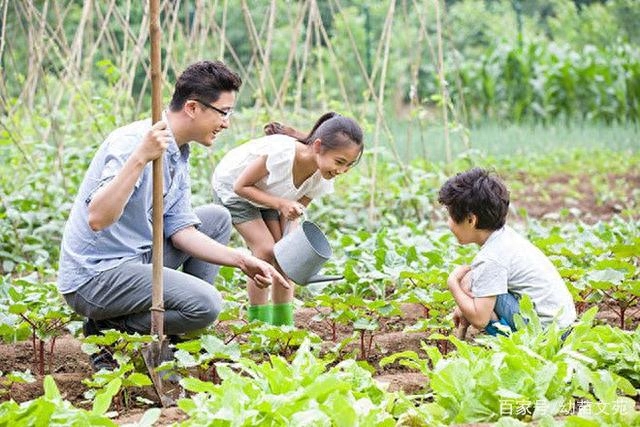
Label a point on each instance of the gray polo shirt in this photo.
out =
(509, 262)
(85, 252)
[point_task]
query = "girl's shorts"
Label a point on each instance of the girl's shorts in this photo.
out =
(243, 211)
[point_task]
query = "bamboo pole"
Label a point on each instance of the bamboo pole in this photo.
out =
(157, 304)
(443, 85)
(319, 62)
(284, 84)
(372, 92)
(297, 103)
(223, 35)
(376, 135)
(3, 87)
(332, 57)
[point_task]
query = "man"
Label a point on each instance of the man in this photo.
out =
(105, 264)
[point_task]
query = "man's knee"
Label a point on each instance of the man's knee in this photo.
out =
(216, 222)
(206, 309)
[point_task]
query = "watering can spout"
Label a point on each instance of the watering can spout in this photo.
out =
(321, 278)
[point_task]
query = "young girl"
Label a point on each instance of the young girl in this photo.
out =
(271, 180)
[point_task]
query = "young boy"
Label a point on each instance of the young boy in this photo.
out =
(507, 265)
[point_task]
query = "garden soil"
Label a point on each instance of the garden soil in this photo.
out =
(69, 365)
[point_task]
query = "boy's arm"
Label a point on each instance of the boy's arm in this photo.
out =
(245, 186)
(476, 310)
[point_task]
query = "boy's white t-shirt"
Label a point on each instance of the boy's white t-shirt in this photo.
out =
(280, 151)
(509, 262)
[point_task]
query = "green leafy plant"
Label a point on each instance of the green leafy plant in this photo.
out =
(278, 392)
(51, 409)
(30, 300)
(127, 351)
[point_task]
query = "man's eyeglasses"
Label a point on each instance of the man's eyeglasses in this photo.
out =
(226, 115)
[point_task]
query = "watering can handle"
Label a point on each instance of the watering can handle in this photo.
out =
(287, 224)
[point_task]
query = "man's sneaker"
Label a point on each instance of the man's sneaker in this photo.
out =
(90, 327)
(103, 360)
(95, 327)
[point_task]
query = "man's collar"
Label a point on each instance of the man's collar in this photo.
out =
(173, 149)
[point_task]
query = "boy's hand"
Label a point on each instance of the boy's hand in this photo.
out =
(459, 319)
(457, 274)
(461, 324)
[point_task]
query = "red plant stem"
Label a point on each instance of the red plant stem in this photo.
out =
(233, 337)
(287, 350)
(51, 354)
(35, 348)
(41, 357)
(214, 375)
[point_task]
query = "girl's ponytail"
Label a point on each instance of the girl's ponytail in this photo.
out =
(332, 129)
(326, 116)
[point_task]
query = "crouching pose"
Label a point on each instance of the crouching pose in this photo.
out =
(507, 266)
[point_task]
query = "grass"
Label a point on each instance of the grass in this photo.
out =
(496, 140)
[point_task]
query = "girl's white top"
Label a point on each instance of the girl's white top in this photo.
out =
(280, 151)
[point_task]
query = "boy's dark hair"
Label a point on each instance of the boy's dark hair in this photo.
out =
(204, 80)
(335, 131)
(479, 192)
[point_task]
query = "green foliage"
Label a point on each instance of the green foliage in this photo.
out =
(52, 410)
(544, 82)
(530, 374)
(303, 392)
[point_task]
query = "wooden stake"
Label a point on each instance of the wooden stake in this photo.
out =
(157, 301)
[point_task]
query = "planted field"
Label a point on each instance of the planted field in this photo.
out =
(382, 339)
(398, 97)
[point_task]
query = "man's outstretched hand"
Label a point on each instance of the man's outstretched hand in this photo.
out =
(263, 273)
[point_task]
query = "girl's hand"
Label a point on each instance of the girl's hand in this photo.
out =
(291, 210)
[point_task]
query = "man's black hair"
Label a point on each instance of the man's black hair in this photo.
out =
(204, 80)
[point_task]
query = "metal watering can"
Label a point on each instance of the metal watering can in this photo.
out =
(302, 252)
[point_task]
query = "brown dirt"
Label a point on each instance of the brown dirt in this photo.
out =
(168, 416)
(409, 382)
(70, 365)
(578, 195)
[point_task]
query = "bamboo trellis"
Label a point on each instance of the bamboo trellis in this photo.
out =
(117, 31)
